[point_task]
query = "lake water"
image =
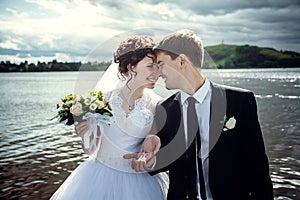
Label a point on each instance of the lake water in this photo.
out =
(36, 154)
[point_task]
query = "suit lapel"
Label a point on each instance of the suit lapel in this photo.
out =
(217, 111)
(177, 119)
(172, 132)
(218, 106)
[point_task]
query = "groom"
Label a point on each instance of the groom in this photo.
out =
(211, 141)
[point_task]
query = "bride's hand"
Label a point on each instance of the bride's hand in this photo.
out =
(94, 138)
(81, 128)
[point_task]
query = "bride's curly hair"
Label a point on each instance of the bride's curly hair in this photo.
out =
(132, 51)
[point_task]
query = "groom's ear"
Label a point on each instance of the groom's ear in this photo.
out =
(183, 60)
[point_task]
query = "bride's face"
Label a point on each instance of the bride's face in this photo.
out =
(146, 72)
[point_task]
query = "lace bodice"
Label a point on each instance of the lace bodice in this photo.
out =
(125, 132)
(138, 121)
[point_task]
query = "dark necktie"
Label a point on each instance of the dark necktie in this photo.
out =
(193, 131)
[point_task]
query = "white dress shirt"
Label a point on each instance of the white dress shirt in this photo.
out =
(202, 105)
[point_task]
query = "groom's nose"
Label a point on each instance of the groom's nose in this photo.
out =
(158, 70)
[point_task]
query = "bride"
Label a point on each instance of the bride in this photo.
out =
(107, 175)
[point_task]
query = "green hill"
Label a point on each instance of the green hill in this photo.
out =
(223, 55)
(246, 56)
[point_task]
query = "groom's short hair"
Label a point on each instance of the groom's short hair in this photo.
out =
(183, 42)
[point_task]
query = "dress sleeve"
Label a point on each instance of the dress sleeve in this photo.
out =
(91, 138)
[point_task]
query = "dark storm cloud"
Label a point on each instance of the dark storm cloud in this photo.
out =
(217, 7)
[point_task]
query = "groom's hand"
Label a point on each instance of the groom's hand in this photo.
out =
(145, 159)
(151, 145)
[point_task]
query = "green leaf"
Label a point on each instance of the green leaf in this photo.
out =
(224, 120)
(56, 116)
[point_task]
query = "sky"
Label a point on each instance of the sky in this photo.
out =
(69, 30)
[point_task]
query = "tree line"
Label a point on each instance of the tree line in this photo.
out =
(52, 66)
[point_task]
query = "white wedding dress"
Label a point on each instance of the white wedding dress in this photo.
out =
(107, 175)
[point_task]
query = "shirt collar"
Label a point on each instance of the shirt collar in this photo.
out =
(199, 95)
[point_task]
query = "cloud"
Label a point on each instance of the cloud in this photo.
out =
(217, 7)
(66, 31)
(34, 57)
(14, 12)
(9, 45)
(76, 27)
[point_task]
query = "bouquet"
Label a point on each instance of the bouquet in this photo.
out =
(75, 108)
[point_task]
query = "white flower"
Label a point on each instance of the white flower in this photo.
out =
(100, 104)
(93, 106)
(93, 98)
(76, 109)
(70, 102)
(88, 100)
(230, 124)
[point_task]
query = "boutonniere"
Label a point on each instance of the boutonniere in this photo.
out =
(228, 124)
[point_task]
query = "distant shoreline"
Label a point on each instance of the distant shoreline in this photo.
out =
(249, 68)
(53, 66)
(222, 56)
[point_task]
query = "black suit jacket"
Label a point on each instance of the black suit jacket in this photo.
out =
(238, 165)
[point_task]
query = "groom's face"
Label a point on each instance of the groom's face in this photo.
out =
(170, 70)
